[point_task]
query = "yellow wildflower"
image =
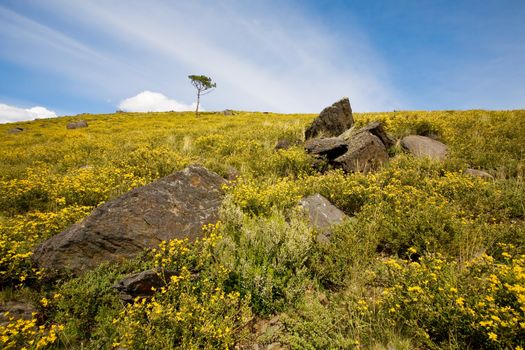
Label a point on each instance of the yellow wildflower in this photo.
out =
(493, 336)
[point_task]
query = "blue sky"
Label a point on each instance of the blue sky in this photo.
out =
(70, 56)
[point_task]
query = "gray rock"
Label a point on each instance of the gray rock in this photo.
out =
(479, 173)
(18, 310)
(175, 206)
(332, 121)
(365, 153)
(424, 147)
(228, 112)
(232, 173)
(142, 284)
(322, 215)
(330, 148)
(77, 125)
(15, 130)
(285, 144)
(375, 128)
(265, 328)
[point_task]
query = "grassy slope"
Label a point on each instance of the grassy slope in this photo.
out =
(434, 254)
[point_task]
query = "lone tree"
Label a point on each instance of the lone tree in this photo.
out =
(204, 86)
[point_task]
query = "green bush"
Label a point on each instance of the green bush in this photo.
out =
(266, 257)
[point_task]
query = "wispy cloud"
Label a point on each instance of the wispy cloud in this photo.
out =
(148, 101)
(82, 67)
(10, 114)
(270, 57)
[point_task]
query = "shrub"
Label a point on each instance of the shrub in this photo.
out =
(437, 301)
(266, 257)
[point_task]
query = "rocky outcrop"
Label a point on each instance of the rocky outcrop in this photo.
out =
(424, 147)
(479, 173)
(332, 121)
(228, 112)
(331, 147)
(322, 215)
(77, 125)
(365, 152)
(175, 206)
(375, 128)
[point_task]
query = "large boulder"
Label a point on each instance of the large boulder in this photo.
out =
(424, 147)
(365, 152)
(332, 121)
(77, 125)
(322, 215)
(375, 128)
(176, 206)
(330, 147)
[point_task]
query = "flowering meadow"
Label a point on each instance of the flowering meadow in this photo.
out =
(432, 259)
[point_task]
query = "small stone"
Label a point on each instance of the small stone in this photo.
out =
(142, 284)
(18, 309)
(77, 125)
(15, 130)
(283, 144)
(322, 215)
(479, 173)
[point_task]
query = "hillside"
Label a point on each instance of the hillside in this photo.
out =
(433, 258)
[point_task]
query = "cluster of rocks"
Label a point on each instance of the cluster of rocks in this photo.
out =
(332, 137)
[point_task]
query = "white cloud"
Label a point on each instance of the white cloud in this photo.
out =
(148, 101)
(10, 114)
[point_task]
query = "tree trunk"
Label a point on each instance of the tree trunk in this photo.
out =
(198, 101)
